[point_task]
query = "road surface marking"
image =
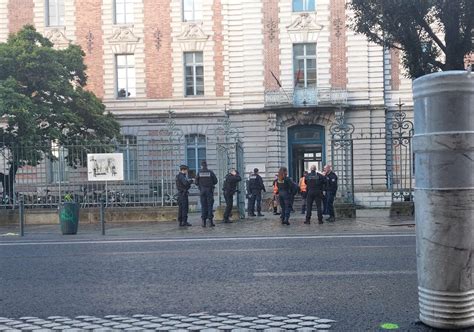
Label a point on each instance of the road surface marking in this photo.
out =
(213, 239)
(329, 273)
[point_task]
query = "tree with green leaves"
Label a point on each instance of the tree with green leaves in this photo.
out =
(43, 100)
(434, 35)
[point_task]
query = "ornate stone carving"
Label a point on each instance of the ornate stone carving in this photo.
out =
(306, 117)
(338, 25)
(157, 36)
(90, 41)
(123, 40)
(272, 29)
(192, 37)
(304, 28)
(58, 37)
(272, 122)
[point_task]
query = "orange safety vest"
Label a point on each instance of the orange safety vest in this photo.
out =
(275, 187)
(302, 184)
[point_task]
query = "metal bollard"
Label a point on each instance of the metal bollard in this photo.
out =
(22, 217)
(444, 195)
(102, 217)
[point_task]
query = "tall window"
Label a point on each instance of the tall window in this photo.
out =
(123, 11)
(304, 65)
(194, 73)
(129, 149)
(125, 64)
(195, 152)
(304, 5)
(192, 10)
(54, 12)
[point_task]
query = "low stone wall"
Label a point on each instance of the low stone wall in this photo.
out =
(91, 215)
(373, 199)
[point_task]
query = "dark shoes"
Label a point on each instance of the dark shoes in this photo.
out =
(252, 214)
(260, 215)
(331, 219)
(211, 223)
(276, 213)
(227, 221)
(183, 224)
(320, 222)
(203, 223)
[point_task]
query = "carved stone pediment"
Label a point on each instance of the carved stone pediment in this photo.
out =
(306, 117)
(304, 28)
(123, 40)
(58, 37)
(192, 37)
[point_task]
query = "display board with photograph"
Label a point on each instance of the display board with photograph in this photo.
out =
(105, 166)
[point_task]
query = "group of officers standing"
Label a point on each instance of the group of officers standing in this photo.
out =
(314, 187)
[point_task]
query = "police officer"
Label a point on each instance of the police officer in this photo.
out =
(183, 184)
(255, 187)
(302, 188)
(285, 191)
(229, 188)
(315, 183)
(331, 189)
(206, 180)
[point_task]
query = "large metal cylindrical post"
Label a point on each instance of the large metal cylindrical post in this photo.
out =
(444, 196)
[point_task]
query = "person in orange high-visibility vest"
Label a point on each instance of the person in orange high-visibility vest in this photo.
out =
(303, 191)
(276, 199)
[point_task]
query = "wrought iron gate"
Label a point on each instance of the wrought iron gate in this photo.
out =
(342, 156)
(400, 161)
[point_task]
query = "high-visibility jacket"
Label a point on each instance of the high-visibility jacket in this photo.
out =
(275, 187)
(302, 184)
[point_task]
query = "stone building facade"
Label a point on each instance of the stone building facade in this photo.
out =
(278, 70)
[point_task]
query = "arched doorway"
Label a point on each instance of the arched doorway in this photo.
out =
(306, 147)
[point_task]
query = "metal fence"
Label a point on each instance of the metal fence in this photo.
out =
(48, 175)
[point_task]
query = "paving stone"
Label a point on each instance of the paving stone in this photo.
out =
(92, 327)
(134, 329)
(265, 316)
(322, 326)
(28, 317)
(164, 328)
(195, 328)
(77, 324)
(259, 327)
(56, 317)
(4, 328)
(235, 316)
(159, 320)
(168, 315)
(276, 324)
(110, 324)
(13, 322)
(241, 330)
(306, 329)
(249, 319)
(171, 322)
(262, 321)
(182, 325)
(151, 326)
(119, 319)
(218, 319)
(103, 329)
(138, 316)
(129, 321)
(325, 321)
(112, 316)
(62, 327)
(13, 330)
(278, 318)
(291, 327)
(306, 324)
(77, 317)
(180, 330)
(293, 321)
(51, 325)
(226, 328)
(273, 329)
(210, 330)
(231, 322)
(295, 316)
(207, 317)
(224, 314)
(202, 322)
(22, 325)
(309, 318)
(122, 326)
(244, 324)
(178, 317)
(214, 325)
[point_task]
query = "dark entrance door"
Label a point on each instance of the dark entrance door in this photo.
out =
(306, 147)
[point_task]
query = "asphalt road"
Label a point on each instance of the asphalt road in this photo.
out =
(360, 281)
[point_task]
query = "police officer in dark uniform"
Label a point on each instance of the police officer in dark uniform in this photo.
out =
(229, 188)
(183, 184)
(315, 183)
(285, 190)
(331, 189)
(255, 187)
(206, 180)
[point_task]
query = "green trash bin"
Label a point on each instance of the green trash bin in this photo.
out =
(69, 217)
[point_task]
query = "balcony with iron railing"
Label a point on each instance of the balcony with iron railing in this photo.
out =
(305, 97)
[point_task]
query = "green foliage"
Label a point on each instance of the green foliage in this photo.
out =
(417, 28)
(42, 99)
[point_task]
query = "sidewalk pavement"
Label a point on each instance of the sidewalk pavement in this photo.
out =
(367, 221)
